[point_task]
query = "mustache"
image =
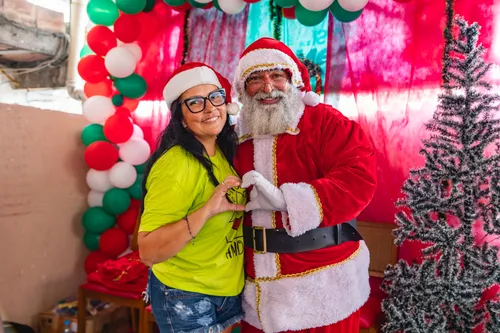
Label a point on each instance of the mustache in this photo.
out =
(273, 94)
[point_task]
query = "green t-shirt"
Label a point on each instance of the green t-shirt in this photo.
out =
(178, 185)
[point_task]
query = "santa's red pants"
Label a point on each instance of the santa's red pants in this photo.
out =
(348, 325)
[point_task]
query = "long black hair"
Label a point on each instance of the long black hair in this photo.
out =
(176, 135)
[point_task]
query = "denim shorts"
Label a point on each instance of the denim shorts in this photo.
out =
(179, 311)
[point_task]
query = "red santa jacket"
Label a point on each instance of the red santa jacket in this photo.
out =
(325, 167)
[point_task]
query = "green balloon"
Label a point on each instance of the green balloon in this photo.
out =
(92, 133)
(286, 3)
(216, 4)
(133, 86)
(102, 12)
(343, 15)
(175, 2)
(117, 100)
(309, 18)
(196, 4)
(86, 51)
(135, 190)
(149, 5)
(131, 6)
(96, 220)
(116, 201)
(91, 241)
(140, 168)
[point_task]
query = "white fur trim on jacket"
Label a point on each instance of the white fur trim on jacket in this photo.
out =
(303, 207)
(264, 263)
(261, 60)
(312, 300)
(188, 79)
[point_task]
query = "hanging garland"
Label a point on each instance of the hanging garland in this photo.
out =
(314, 71)
(276, 18)
(185, 29)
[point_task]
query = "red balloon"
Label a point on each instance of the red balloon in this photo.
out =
(91, 68)
(128, 220)
(182, 8)
(127, 28)
(130, 104)
(289, 13)
(103, 88)
(101, 39)
(93, 260)
(123, 111)
(209, 5)
(113, 242)
(101, 155)
(251, 1)
(118, 128)
(134, 203)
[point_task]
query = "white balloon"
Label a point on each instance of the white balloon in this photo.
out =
(98, 180)
(232, 6)
(135, 151)
(203, 1)
(138, 133)
(97, 109)
(135, 50)
(352, 5)
(94, 198)
(120, 62)
(122, 175)
(316, 5)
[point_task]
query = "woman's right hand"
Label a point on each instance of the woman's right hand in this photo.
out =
(218, 202)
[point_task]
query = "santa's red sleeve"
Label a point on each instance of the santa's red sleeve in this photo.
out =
(346, 160)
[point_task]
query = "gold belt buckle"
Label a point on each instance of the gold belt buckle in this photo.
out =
(264, 241)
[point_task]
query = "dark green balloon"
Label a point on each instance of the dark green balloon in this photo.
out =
(196, 4)
(85, 51)
(140, 168)
(92, 133)
(135, 190)
(286, 3)
(309, 18)
(149, 5)
(131, 6)
(102, 12)
(343, 15)
(133, 86)
(116, 201)
(175, 2)
(117, 100)
(91, 241)
(96, 220)
(216, 4)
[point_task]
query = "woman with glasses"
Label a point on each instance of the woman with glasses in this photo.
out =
(190, 232)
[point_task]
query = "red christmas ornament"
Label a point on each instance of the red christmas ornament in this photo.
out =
(103, 88)
(128, 28)
(94, 259)
(101, 155)
(91, 68)
(128, 220)
(289, 13)
(113, 242)
(101, 39)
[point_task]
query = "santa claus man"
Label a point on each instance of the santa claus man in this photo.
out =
(309, 171)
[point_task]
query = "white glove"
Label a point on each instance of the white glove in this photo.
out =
(264, 195)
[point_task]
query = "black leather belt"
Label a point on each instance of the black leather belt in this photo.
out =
(263, 240)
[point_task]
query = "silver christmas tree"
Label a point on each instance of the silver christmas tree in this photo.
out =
(458, 187)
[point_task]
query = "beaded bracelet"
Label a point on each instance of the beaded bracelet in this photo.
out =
(189, 229)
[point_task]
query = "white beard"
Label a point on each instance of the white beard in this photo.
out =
(263, 120)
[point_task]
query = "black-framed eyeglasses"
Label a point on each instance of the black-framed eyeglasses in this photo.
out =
(197, 104)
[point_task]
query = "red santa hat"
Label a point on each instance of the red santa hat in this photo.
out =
(193, 74)
(267, 54)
